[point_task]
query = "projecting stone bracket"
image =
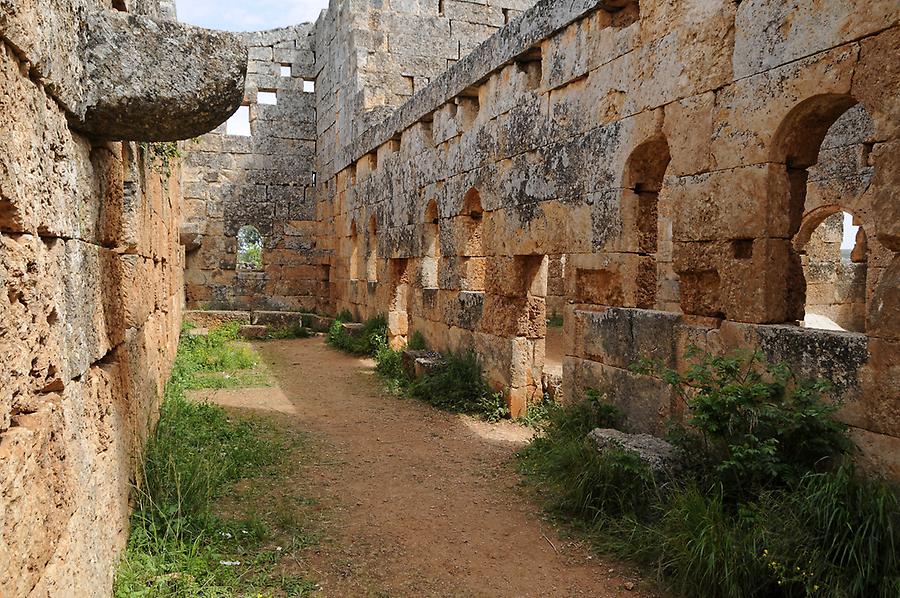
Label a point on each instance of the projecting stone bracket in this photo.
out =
(127, 77)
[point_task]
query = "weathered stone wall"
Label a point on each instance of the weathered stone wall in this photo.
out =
(673, 152)
(267, 181)
(91, 269)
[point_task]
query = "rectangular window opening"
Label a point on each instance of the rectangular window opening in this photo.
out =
(309, 86)
(285, 69)
(268, 97)
(239, 123)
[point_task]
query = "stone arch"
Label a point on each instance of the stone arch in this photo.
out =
(471, 242)
(794, 153)
(249, 248)
(472, 216)
(645, 170)
(354, 251)
(834, 261)
(372, 255)
(431, 247)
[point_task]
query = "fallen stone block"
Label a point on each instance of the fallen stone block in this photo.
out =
(659, 455)
(417, 363)
(278, 319)
(352, 328)
(212, 318)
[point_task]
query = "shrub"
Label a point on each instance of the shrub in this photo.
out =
(758, 425)
(417, 342)
(458, 385)
(786, 530)
(367, 341)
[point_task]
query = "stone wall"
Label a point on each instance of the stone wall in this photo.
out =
(91, 269)
(673, 153)
(265, 180)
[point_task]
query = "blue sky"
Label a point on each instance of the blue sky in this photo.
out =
(248, 15)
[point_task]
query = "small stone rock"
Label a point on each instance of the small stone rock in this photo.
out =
(659, 455)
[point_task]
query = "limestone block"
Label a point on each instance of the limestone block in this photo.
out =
(622, 337)
(879, 381)
(37, 494)
(750, 111)
(212, 318)
(770, 33)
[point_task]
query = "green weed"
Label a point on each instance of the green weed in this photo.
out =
(786, 530)
(366, 341)
(458, 385)
(177, 545)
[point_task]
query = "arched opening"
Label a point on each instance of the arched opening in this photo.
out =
(372, 257)
(471, 222)
(354, 252)
(643, 180)
(834, 258)
(824, 146)
(249, 248)
(431, 248)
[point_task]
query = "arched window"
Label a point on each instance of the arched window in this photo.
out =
(354, 252)
(471, 222)
(823, 144)
(472, 218)
(431, 247)
(834, 259)
(644, 173)
(249, 248)
(372, 257)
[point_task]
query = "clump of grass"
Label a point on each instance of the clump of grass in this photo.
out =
(417, 342)
(789, 528)
(555, 321)
(298, 330)
(366, 341)
(215, 360)
(457, 384)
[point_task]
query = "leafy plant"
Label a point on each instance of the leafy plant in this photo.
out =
(786, 530)
(457, 384)
(758, 425)
(160, 155)
(417, 342)
(366, 341)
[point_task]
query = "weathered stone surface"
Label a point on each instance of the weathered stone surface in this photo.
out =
(659, 455)
(127, 76)
(157, 81)
(253, 332)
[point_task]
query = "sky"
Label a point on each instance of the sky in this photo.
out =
(248, 15)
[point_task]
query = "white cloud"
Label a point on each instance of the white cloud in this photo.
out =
(240, 15)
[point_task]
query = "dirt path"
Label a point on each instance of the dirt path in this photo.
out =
(423, 503)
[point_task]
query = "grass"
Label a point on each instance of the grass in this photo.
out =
(366, 341)
(180, 543)
(825, 532)
(217, 360)
(457, 385)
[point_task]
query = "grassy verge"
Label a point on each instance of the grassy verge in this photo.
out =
(457, 384)
(216, 360)
(180, 542)
(764, 505)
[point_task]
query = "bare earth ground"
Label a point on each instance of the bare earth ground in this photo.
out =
(411, 501)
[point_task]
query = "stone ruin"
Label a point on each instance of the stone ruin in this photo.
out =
(655, 174)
